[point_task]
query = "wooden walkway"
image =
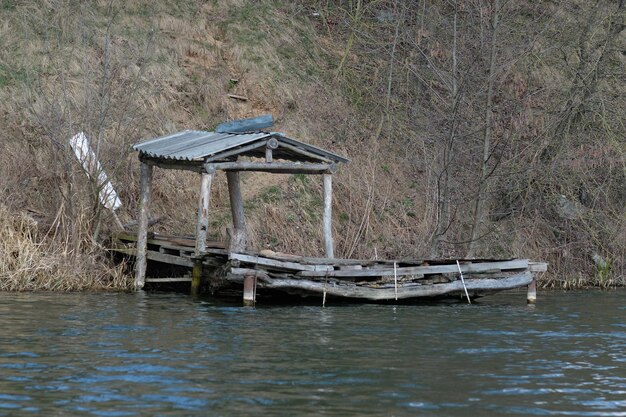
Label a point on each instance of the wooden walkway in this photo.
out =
(347, 278)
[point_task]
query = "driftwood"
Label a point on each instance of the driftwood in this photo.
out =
(389, 293)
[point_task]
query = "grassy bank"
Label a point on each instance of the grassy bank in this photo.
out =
(439, 167)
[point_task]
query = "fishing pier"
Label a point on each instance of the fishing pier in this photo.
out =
(233, 268)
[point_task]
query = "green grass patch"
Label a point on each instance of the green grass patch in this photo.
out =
(9, 76)
(7, 5)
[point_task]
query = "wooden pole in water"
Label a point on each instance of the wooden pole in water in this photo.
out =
(202, 227)
(142, 234)
(328, 207)
(531, 296)
(249, 282)
(238, 237)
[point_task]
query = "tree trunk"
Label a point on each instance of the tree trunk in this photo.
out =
(479, 208)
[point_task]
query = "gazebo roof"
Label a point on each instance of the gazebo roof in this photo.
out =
(202, 146)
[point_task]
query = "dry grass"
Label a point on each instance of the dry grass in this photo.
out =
(29, 261)
(141, 70)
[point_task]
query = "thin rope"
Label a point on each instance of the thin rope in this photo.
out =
(463, 282)
(254, 290)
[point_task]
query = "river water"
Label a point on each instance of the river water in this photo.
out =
(149, 354)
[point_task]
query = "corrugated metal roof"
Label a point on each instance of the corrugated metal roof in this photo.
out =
(195, 145)
(310, 148)
(192, 145)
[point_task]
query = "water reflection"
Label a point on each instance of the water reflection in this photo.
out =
(164, 354)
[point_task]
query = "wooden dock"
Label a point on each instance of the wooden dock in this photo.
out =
(231, 267)
(225, 272)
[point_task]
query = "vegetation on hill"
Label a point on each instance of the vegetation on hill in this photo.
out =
(474, 128)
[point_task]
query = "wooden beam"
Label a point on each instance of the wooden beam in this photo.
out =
(304, 153)
(275, 167)
(327, 217)
(203, 213)
(142, 233)
(404, 291)
(174, 279)
(282, 265)
(194, 166)
(237, 151)
(424, 270)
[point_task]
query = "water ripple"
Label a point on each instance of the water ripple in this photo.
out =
(169, 355)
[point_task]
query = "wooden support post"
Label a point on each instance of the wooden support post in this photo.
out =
(238, 237)
(328, 207)
(202, 227)
(196, 277)
(269, 147)
(203, 213)
(141, 262)
(531, 296)
(249, 282)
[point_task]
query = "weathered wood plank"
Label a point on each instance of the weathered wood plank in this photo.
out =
(159, 257)
(404, 292)
(313, 261)
(249, 271)
(174, 279)
(171, 242)
(425, 270)
(537, 266)
(273, 263)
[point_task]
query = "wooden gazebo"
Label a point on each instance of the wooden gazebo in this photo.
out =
(208, 152)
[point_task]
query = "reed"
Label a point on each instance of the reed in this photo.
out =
(32, 260)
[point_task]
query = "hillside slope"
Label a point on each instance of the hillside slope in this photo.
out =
(483, 129)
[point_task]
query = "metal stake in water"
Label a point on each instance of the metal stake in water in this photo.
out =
(324, 296)
(463, 282)
(395, 279)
